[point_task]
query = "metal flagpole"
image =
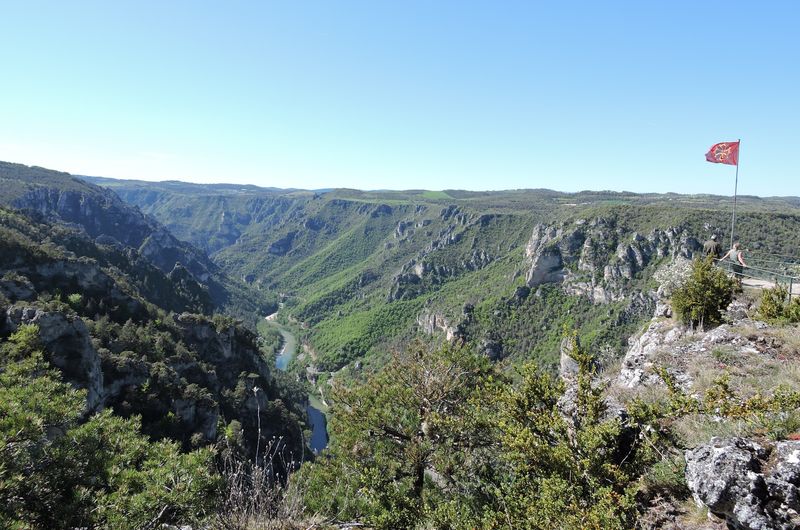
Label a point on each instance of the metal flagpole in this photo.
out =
(735, 189)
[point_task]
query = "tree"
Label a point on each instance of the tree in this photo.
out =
(706, 293)
(568, 461)
(403, 437)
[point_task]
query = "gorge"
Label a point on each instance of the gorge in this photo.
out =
(421, 318)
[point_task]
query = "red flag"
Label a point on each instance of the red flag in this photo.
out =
(724, 153)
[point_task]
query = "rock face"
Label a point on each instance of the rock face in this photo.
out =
(228, 348)
(598, 258)
(638, 363)
(432, 322)
(68, 346)
(282, 245)
(568, 366)
(424, 270)
(670, 278)
(16, 287)
(100, 215)
(752, 486)
(103, 215)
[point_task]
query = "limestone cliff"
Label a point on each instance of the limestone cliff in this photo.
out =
(598, 258)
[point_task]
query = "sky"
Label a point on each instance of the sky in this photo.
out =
(408, 94)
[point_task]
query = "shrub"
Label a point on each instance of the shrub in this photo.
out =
(415, 415)
(774, 307)
(75, 301)
(704, 295)
(441, 439)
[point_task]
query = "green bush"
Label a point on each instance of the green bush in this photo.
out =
(443, 439)
(706, 293)
(386, 434)
(774, 307)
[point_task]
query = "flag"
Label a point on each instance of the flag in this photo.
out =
(724, 153)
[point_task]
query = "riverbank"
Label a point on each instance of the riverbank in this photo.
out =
(315, 409)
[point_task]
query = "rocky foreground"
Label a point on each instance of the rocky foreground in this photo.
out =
(742, 477)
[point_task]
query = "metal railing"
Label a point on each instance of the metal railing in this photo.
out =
(786, 258)
(756, 272)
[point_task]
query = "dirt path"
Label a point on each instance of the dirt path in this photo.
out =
(764, 284)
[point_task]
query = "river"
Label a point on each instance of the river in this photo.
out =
(316, 418)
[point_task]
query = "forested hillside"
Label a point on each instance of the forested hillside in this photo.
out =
(109, 221)
(359, 271)
(125, 394)
(501, 359)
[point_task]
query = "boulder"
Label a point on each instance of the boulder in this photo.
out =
(752, 486)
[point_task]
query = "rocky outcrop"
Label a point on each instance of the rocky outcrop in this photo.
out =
(228, 347)
(548, 250)
(163, 250)
(753, 486)
(669, 278)
(425, 270)
(15, 287)
(105, 218)
(403, 229)
(201, 414)
(282, 245)
(597, 258)
(381, 210)
(103, 215)
(567, 365)
(68, 347)
(639, 363)
(115, 380)
(666, 343)
(430, 323)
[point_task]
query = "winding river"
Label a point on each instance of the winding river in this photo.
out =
(316, 418)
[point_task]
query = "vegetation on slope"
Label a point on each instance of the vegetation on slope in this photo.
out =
(119, 408)
(101, 217)
(342, 258)
(60, 470)
(442, 438)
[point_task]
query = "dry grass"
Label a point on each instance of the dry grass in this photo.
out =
(672, 514)
(696, 517)
(762, 361)
(260, 496)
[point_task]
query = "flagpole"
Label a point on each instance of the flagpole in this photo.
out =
(735, 189)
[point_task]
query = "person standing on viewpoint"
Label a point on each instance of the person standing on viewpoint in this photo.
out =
(737, 260)
(712, 247)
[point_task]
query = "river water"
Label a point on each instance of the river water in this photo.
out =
(316, 418)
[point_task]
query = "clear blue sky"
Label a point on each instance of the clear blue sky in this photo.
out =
(406, 94)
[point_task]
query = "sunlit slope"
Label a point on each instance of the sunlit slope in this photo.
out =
(364, 269)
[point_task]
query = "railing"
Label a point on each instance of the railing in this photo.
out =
(785, 258)
(756, 272)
